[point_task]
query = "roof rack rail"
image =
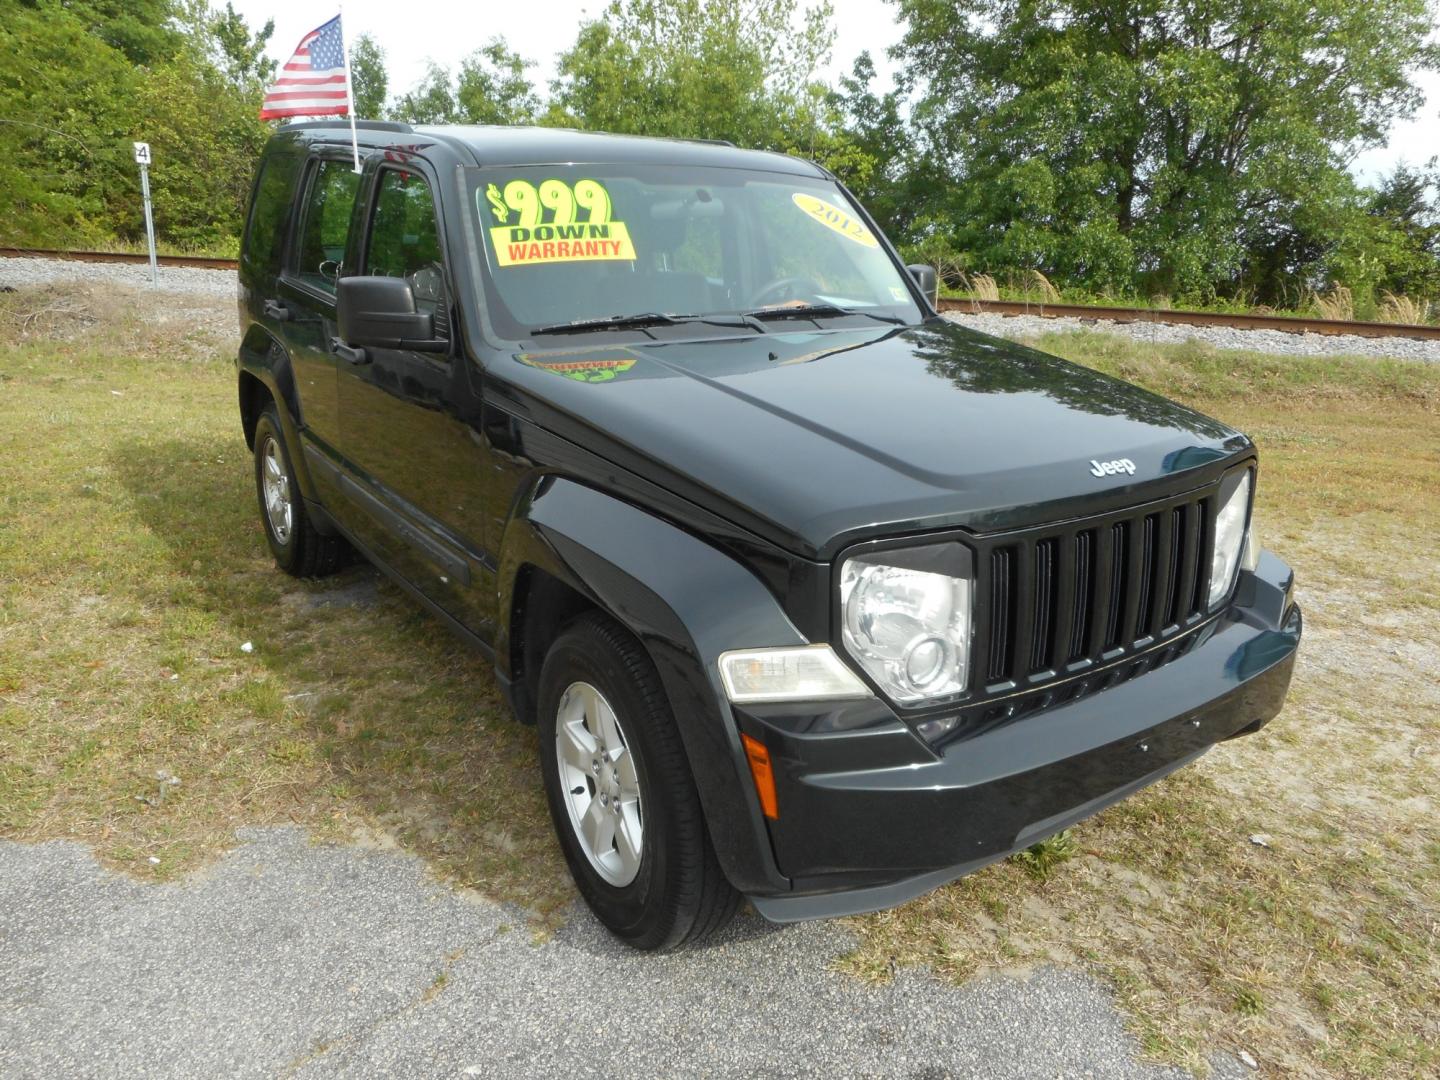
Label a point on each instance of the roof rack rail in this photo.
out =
(708, 142)
(368, 125)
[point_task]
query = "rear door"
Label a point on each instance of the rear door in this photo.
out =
(409, 420)
(306, 301)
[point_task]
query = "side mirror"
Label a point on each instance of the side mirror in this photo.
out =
(380, 312)
(929, 282)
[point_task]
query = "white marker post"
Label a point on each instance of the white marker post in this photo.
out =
(142, 158)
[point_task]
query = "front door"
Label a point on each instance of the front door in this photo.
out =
(306, 306)
(410, 420)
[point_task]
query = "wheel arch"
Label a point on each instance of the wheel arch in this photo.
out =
(569, 549)
(266, 376)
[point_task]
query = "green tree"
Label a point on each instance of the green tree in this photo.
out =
(1135, 142)
(238, 53)
(491, 89)
(430, 101)
(206, 136)
(368, 77)
(1408, 203)
(143, 31)
(73, 108)
(67, 114)
(896, 183)
(741, 70)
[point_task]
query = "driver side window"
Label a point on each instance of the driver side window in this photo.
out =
(404, 241)
(328, 206)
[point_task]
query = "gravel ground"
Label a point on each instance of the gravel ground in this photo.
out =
(296, 959)
(1221, 337)
(19, 272)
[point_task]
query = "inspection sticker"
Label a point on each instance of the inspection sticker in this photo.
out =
(523, 236)
(590, 371)
(832, 217)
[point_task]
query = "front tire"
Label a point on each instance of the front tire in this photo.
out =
(299, 548)
(621, 795)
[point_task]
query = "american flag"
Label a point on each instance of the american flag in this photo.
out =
(312, 82)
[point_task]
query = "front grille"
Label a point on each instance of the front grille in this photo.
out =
(1061, 600)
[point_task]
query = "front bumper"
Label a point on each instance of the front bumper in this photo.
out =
(870, 816)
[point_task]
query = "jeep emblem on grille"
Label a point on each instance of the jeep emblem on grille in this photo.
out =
(1110, 468)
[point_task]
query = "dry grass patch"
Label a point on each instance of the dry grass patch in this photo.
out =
(979, 286)
(1395, 308)
(1338, 303)
(132, 571)
(1283, 895)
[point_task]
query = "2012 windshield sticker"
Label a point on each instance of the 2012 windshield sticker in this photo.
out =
(539, 224)
(832, 217)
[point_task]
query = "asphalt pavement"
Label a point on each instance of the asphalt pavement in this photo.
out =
(288, 958)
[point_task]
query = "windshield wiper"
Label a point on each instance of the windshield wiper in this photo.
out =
(739, 320)
(651, 318)
(612, 322)
(807, 311)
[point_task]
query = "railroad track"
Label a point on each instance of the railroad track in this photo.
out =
(193, 262)
(1286, 323)
(1290, 324)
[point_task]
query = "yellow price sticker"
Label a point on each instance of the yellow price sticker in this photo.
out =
(832, 217)
(517, 245)
(545, 229)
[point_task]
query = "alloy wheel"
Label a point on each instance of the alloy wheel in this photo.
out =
(275, 489)
(599, 783)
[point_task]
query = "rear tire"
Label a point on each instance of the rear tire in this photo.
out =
(621, 794)
(299, 548)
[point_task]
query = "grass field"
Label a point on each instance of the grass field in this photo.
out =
(133, 570)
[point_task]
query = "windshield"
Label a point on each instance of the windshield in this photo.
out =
(640, 246)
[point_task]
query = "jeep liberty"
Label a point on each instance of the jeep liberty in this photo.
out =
(816, 598)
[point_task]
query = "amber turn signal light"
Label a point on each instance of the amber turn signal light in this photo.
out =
(762, 774)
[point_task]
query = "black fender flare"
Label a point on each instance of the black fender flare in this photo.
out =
(263, 357)
(687, 602)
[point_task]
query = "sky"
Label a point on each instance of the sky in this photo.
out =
(445, 31)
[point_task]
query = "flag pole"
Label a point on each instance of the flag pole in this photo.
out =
(349, 87)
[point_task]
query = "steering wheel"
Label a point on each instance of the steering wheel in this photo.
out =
(785, 288)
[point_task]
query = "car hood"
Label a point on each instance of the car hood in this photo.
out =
(815, 440)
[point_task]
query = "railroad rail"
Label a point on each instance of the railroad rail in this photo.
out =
(1290, 324)
(193, 262)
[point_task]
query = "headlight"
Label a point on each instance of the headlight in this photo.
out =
(907, 619)
(1229, 535)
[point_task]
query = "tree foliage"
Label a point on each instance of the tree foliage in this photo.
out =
(100, 75)
(1198, 148)
(368, 77)
(741, 70)
(490, 88)
(1116, 142)
(239, 54)
(493, 88)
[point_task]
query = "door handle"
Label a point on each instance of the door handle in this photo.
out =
(274, 309)
(349, 352)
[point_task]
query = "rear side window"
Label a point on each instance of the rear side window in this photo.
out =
(326, 224)
(269, 214)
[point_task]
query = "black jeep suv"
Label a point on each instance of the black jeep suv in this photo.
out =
(816, 597)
